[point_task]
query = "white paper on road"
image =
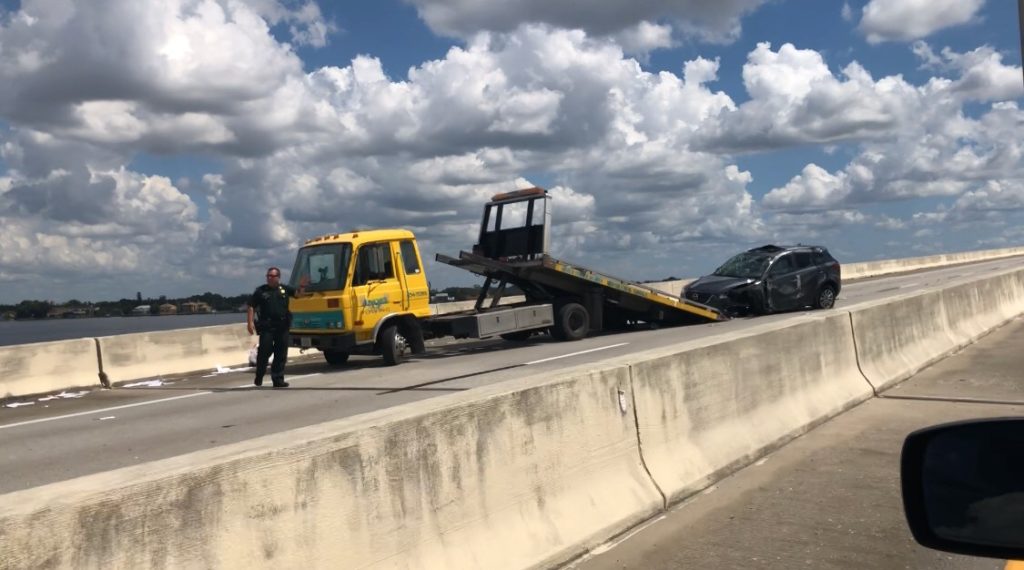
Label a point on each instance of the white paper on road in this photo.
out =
(63, 395)
(148, 383)
(225, 370)
(18, 404)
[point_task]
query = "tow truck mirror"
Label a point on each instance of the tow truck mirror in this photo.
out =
(963, 487)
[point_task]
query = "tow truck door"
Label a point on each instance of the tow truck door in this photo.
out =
(376, 288)
(414, 280)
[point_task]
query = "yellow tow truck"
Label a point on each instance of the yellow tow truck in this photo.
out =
(369, 292)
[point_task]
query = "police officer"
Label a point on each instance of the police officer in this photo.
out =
(269, 317)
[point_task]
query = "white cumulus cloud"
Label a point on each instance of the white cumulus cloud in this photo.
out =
(706, 21)
(905, 20)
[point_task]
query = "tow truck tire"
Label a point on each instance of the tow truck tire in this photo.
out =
(826, 298)
(572, 322)
(392, 345)
(336, 357)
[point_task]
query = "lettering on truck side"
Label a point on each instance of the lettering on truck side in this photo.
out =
(376, 305)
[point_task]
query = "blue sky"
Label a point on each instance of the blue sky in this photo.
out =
(180, 146)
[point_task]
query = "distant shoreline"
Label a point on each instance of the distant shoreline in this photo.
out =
(28, 331)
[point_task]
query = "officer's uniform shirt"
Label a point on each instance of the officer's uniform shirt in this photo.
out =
(271, 303)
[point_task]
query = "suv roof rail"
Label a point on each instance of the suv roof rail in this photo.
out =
(768, 248)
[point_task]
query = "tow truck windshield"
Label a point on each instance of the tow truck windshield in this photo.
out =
(325, 265)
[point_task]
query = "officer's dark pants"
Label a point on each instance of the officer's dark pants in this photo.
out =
(273, 340)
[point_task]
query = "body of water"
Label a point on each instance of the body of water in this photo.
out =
(24, 332)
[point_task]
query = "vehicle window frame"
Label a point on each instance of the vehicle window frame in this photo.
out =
(410, 261)
(358, 279)
(790, 262)
(343, 253)
(808, 258)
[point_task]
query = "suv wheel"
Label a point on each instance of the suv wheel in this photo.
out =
(826, 298)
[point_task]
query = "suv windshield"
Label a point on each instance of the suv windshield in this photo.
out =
(746, 265)
(325, 265)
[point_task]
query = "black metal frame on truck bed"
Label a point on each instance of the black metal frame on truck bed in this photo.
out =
(513, 250)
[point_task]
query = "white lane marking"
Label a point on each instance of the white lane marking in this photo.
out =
(303, 376)
(576, 353)
(250, 385)
(602, 548)
(910, 285)
(66, 416)
(108, 418)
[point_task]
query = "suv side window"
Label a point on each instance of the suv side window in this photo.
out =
(373, 264)
(782, 266)
(803, 259)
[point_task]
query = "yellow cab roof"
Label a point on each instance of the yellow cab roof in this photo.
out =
(361, 236)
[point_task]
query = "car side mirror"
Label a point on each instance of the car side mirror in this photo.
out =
(963, 487)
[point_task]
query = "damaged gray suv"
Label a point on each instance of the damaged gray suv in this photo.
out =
(769, 279)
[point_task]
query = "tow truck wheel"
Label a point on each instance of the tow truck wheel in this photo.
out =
(335, 357)
(572, 322)
(392, 345)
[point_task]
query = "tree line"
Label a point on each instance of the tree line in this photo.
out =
(35, 309)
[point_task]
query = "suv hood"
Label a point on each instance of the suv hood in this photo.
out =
(716, 284)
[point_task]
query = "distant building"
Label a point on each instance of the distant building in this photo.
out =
(69, 312)
(141, 310)
(195, 308)
(168, 309)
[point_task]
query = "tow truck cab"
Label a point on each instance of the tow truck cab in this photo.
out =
(367, 290)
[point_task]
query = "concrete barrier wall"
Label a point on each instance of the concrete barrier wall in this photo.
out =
(520, 475)
(47, 367)
(706, 409)
(889, 266)
(674, 288)
(896, 338)
(976, 308)
(145, 355)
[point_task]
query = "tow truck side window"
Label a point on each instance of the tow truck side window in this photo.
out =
(409, 260)
(373, 264)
